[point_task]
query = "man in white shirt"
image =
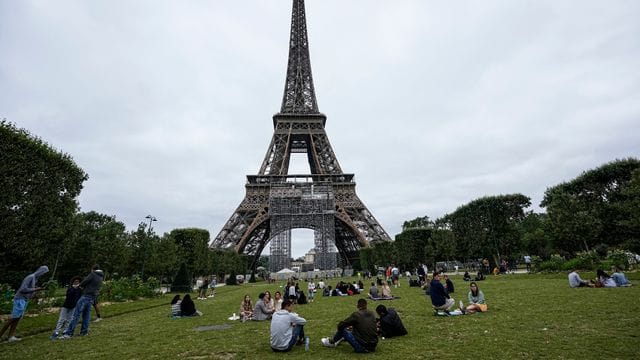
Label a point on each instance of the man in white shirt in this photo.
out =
(575, 280)
(287, 328)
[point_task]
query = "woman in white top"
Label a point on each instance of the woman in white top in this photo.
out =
(311, 290)
(268, 301)
(277, 303)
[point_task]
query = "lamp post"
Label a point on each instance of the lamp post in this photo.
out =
(144, 250)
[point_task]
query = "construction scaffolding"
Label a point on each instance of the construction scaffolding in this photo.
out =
(280, 250)
(303, 205)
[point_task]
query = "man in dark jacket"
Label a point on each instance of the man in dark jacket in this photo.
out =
(90, 290)
(359, 329)
(389, 324)
(439, 296)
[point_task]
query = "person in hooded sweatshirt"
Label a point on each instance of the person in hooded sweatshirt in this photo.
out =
(26, 291)
(90, 290)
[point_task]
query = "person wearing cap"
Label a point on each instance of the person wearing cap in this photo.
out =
(21, 299)
(359, 330)
(287, 328)
(90, 286)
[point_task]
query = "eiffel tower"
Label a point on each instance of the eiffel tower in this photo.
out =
(324, 201)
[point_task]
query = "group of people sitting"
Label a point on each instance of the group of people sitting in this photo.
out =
(263, 309)
(183, 307)
(380, 290)
(443, 302)
(344, 289)
(361, 329)
(479, 276)
(616, 279)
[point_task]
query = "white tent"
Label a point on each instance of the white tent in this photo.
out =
(283, 274)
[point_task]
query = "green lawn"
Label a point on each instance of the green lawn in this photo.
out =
(530, 316)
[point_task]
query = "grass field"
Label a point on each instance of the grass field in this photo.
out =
(530, 317)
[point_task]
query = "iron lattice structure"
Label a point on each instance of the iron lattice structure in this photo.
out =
(276, 202)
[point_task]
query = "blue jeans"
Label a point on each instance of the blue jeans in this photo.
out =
(83, 307)
(348, 336)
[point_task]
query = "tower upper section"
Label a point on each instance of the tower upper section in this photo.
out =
(299, 94)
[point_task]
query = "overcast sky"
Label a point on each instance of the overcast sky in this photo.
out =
(168, 105)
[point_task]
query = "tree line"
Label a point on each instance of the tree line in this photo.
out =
(597, 211)
(40, 223)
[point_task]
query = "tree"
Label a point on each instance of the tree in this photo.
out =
(39, 186)
(193, 249)
(597, 207)
(487, 227)
(182, 280)
(419, 222)
(93, 238)
(411, 245)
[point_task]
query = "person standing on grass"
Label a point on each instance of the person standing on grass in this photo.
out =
(527, 262)
(287, 328)
(359, 329)
(66, 311)
(96, 301)
(26, 291)
(90, 290)
(439, 296)
(311, 290)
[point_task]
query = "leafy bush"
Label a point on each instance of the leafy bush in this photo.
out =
(619, 258)
(231, 280)
(553, 264)
(129, 288)
(6, 299)
(584, 260)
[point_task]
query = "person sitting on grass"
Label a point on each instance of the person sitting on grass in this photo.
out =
(448, 284)
(175, 306)
(246, 308)
(373, 292)
(389, 323)
(386, 291)
(359, 330)
(277, 301)
(187, 307)
(575, 280)
(466, 276)
(261, 312)
(476, 300)
(619, 277)
(604, 279)
(287, 328)
(440, 299)
(479, 276)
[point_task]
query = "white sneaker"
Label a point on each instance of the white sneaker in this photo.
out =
(13, 339)
(98, 319)
(326, 342)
